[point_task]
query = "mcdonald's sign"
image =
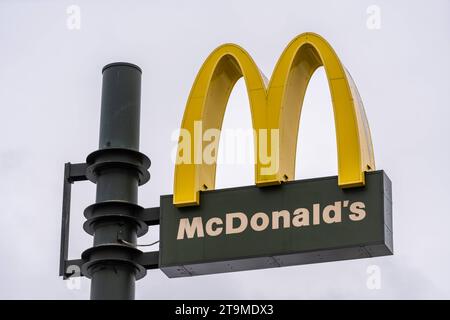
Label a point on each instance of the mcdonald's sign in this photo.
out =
(278, 221)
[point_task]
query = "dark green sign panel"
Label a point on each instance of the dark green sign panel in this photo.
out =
(299, 222)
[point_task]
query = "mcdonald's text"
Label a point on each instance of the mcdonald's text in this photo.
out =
(238, 222)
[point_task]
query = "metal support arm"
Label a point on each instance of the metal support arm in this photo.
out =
(74, 172)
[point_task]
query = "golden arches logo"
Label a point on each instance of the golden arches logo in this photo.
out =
(277, 105)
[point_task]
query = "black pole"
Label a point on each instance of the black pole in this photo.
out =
(118, 168)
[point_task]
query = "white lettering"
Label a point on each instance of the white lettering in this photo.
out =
(230, 229)
(237, 222)
(259, 216)
(336, 208)
(190, 229)
(301, 217)
(357, 210)
(276, 215)
(210, 230)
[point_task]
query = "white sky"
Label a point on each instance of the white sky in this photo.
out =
(50, 86)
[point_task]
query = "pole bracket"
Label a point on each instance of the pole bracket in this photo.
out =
(72, 173)
(143, 217)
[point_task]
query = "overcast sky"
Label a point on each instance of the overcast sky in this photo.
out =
(50, 87)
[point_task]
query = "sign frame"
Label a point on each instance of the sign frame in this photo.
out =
(351, 242)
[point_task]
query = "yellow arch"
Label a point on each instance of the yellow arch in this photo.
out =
(277, 106)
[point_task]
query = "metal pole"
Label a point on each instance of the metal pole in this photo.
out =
(111, 267)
